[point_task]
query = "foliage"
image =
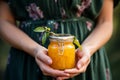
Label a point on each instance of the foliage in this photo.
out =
(47, 32)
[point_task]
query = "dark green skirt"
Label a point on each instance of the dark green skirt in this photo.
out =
(22, 66)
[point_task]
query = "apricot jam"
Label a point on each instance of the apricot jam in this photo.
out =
(62, 51)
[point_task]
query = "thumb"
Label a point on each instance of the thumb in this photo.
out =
(44, 57)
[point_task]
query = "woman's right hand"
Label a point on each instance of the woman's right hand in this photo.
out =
(44, 61)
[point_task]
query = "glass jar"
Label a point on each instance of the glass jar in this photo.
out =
(62, 51)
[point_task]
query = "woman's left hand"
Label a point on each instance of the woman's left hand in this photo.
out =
(83, 60)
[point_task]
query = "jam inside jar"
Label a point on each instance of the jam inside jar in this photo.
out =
(62, 51)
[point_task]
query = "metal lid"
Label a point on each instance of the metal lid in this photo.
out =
(61, 37)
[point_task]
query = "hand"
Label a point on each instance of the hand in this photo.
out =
(44, 61)
(83, 60)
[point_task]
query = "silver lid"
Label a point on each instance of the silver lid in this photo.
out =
(62, 37)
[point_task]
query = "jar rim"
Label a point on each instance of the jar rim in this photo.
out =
(61, 37)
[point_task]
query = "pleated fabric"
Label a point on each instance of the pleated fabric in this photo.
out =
(59, 15)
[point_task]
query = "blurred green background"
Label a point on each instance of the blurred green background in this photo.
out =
(113, 49)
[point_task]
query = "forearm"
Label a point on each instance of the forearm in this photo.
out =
(103, 31)
(17, 38)
(98, 37)
(14, 36)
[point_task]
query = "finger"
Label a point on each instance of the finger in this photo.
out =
(47, 70)
(83, 69)
(76, 71)
(72, 71)
(79, 53)
(57, 73)
(44, 57)
(62, 78)
(83, 61)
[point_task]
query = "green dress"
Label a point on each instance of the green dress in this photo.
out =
(60, 16)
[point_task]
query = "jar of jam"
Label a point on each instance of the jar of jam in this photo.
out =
(62, 51)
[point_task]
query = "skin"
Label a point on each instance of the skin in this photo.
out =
(94, 41)
(23, 42)
(100, 35)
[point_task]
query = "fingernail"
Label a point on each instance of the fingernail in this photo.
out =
(79, 66)
(49, 61)
(67, 74)
(66, 71)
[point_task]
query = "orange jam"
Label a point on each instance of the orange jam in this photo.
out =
(62, 51)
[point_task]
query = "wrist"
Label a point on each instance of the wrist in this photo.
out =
(88, 50)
